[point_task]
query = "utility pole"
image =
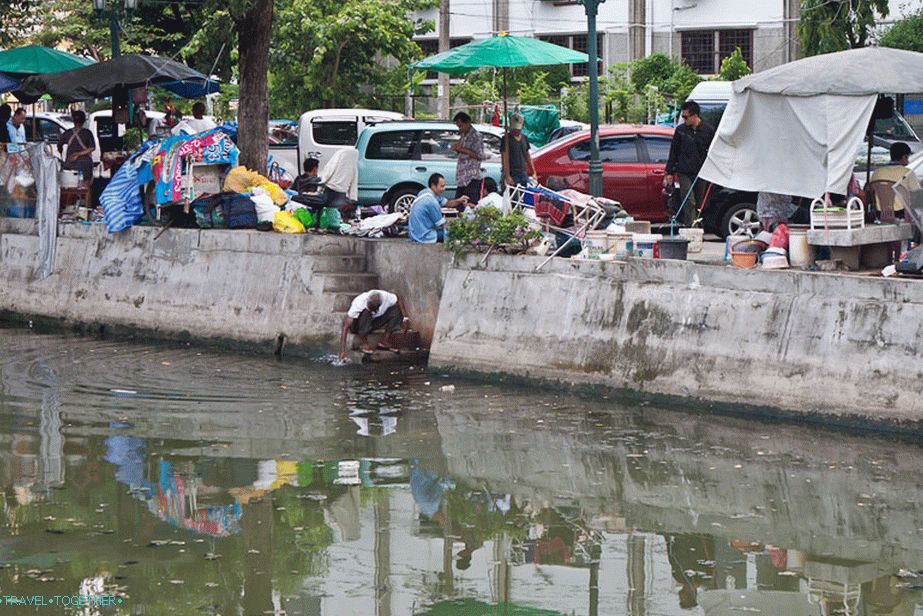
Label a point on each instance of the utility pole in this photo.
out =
(596, 167)
(444, 43)
(637, 21)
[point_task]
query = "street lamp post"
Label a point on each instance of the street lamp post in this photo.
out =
(115, 15)
(596, 167)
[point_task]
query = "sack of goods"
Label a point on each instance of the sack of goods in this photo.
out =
(226, 210)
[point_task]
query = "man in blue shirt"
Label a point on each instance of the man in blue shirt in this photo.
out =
(426, 222)
(16, 128)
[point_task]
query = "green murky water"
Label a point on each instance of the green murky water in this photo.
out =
(175, 480)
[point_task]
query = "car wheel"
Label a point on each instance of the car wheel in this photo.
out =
(740, 219)
(401, 200)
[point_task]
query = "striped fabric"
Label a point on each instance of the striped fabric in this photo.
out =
(121, 200)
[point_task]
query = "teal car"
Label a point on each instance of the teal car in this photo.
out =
(397, 158)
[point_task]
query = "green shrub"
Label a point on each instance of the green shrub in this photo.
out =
(489, 228)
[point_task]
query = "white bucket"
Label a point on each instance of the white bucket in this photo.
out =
(68, 178)
(800, 253)
(595, 244)
(620, 243)
(695, 237)
(645, 244)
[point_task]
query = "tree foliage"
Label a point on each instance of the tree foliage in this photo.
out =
(13, 19)
(734, 66)
(906, 33)
(329, 52)
(835, 25)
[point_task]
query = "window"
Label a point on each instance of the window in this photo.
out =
(577, 42)
(491, 146)
(392, 145)
(611, 150)
(703, 50)
(47, 130)
(618, 150)
(335, 132)
(283, 133)
(437, 144)
(430, 47)
(658, 148)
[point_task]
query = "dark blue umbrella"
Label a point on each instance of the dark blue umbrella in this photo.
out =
(193, 88)
(7, 83)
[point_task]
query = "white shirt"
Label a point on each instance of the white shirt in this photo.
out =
(361, 303)
(191, 126)
(491, 200)
(341, 173)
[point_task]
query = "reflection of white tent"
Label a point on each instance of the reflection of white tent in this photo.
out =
(795, 129)
(737, 602)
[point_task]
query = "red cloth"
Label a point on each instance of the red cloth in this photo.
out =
(495, 120)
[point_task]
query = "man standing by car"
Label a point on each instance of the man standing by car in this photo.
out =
(517, 161)
(470, 148)
(687, 155)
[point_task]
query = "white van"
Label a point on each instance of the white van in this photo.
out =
(713, 98)
(100, 124)
(322, 132)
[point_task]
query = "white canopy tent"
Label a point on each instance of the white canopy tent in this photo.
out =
(795, 129)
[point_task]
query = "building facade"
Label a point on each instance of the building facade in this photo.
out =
(701, 32)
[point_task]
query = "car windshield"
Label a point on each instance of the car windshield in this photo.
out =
(895, 127)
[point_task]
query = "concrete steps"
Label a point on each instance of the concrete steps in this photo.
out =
(352, 282)
(339, 263)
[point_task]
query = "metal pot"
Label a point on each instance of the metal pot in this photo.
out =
(68, 178)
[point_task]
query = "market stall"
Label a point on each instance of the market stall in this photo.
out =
(795, 130)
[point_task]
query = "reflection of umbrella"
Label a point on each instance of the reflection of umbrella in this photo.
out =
(471, 607)
(8, 83)
(105, 78)
(38, 60)
(501, 51)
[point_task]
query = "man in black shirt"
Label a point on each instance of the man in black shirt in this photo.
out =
(687, 155)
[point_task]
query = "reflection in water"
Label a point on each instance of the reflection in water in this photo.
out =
(189, 481)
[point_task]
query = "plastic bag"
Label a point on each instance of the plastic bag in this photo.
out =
(240, 179)
(780, 237)
(304, 216)
(265, 208)
(330, 218)
(286, 223)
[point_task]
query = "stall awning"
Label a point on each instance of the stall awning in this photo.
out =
(796, 129)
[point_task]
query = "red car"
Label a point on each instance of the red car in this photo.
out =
(634, 159)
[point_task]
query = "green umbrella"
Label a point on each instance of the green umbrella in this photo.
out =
(35, 59)
(501, 51)
(22, 62)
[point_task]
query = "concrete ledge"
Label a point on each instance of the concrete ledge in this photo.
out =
(872, 234)
(837, 345)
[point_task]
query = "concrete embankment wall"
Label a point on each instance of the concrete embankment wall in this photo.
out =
(245, 288)
(835, 344)
(840, 345)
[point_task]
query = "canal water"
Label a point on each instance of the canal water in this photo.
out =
(179, 480)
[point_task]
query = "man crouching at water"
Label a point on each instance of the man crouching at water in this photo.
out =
(370, 311)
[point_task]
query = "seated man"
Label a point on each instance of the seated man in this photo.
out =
(489, 198)
(898, 173)
(370, 311)
(426, 223)
(310, 190)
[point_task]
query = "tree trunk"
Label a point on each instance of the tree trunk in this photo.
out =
(253, 33)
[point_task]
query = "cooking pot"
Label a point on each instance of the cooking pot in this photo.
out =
(69, 178)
